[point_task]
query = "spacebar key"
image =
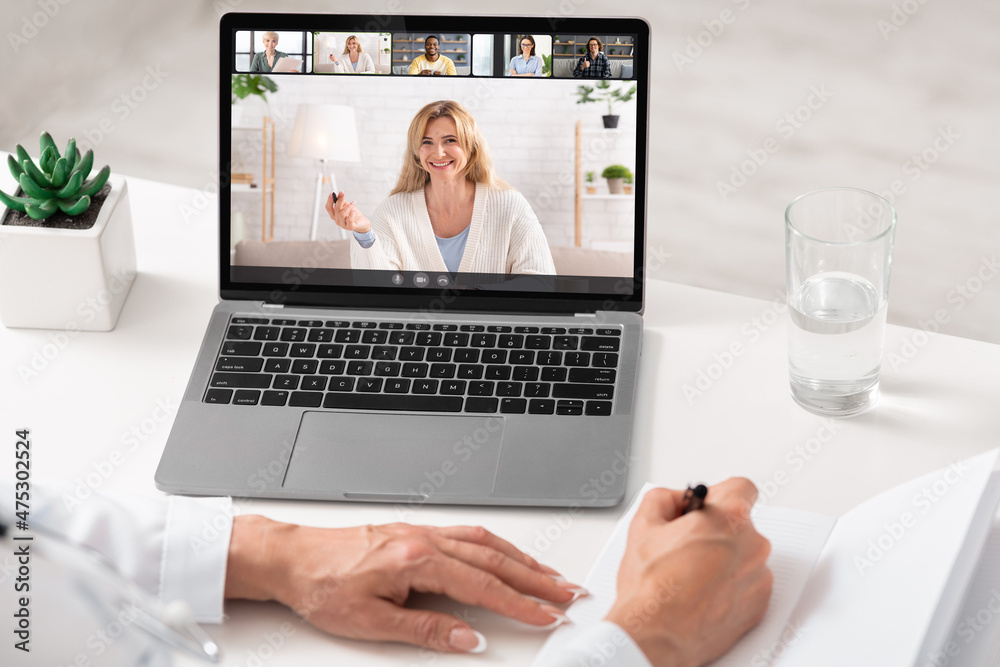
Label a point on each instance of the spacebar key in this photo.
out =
(393, 402)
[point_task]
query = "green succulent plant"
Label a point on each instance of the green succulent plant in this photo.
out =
(56, 183)
(616, 171)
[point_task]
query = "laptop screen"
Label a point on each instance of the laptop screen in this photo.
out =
(471, 162)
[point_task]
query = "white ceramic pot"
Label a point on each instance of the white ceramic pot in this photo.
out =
(68, 278)
(616, 186)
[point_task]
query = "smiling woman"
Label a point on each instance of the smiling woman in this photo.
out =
(449, 211)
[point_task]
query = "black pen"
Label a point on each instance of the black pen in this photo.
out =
(694, 498)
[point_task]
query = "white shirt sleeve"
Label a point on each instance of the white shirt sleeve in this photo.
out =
(174, 547)
(604, 644)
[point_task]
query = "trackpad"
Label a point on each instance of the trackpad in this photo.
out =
(394, 456)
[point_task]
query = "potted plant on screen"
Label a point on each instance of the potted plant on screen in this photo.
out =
(67, 252)
(603, 91)
(615, 175)
(591, 188)
(628, 184)
(245, 85)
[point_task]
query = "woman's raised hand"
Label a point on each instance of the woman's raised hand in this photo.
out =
(346, 215)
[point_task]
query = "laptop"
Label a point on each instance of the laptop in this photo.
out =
(487, 360)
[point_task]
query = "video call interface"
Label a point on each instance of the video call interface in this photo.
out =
(558, 117)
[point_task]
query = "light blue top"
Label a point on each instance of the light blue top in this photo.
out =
(532, 65)
(451, 249)
(354, 65)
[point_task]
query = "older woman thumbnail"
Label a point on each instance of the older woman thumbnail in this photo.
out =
(449, 211)
(264, 61)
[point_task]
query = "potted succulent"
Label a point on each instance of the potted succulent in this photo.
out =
(616, 175)
(591, 188)
(67, 251)
(245, 85)
(628, 184)
(604, 92)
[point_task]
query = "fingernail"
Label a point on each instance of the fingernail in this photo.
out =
(577, 591)
(560, 618)
(467, 640)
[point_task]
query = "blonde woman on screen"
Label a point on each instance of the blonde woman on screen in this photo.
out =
(356, 62)
(449, 211)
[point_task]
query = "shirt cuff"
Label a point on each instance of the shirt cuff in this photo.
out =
(195, 554)
(602, 644)
(366, 240)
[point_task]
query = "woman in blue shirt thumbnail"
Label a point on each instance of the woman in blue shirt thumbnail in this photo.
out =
(526, 64)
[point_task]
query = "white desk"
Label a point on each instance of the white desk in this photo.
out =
(100, 393)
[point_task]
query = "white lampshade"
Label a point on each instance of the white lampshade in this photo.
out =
(325, 132)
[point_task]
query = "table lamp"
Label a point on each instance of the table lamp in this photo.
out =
(324, 132)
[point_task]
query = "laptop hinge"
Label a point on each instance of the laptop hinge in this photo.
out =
(273, 306)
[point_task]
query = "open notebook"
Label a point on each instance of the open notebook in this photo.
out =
(883, 585)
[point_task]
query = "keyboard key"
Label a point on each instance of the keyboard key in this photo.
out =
(375, 337)
(418, 326)
(553, 330)
(511, 341)
(478, 404)
(483, 340)
(303, 350)
(429, 338)
(407, 402)
(494, 356)
(249, 320)
(456, 339)
(513, 406)
(411, 354)
(333, 367)
(474, 328)
(549, 358)
(275, 349)
(220, 396)
(605, 392)
(541, 406)
(536, 389)
(284, 323)
(609, 332)
(466, 355)
(341, 384)
(453, 387)
(348, 336)
(593, 375)
(569, 408)
(286, 382)
(442, 370)
(397, 386)
(304, 366)
(293, 334)
(239, 364)
(306, 399)
(384, 352)
(310, 323)
(598, 408)
(525, 373)
(522, 357)
(415, 370)
(390, 325)
(580, 332)
(439, 354)
(553, 374)
(538, 342)
(387, 369)
(600, 343)
(508, 388)
(401, 337)
(277, 365)
(481, 388)
(577, 359)
(470, 372)
(239, 332)
(329, 351)
(565, 342)
(499, 329)
(313, 383)
(359, 368)
(365, 325)
(241, 349)
(370, 385)
(266, 333)
(497, 372)
(357, 351)
(606, 360)
(526, 330)
(274, 398)
(425, 386)
(241, 380)
(320, 335)
(336, 324)
(445, 327)
(246, 397)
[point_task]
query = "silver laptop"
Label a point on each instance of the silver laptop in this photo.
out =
(403, 349)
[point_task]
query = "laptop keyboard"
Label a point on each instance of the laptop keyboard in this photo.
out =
(378, 365)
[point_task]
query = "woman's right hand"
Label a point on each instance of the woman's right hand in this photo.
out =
(346, 215)
(334, 58)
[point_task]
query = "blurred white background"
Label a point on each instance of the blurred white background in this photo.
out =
(868, 93)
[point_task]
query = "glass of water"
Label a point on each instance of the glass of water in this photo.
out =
(838, 257)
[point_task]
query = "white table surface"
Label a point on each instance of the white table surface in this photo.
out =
(94, 394)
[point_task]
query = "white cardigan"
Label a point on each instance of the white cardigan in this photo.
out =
(504, 236)
(365, 64)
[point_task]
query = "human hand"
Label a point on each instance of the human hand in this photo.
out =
(354, 582)
(690, 586)
(334, 58)
(425, 72)
(346, 215)
(586, 63)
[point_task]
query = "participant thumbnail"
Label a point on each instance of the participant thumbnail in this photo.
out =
(593, 57)
(352, 53)
(431, 54)
(273, 51)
